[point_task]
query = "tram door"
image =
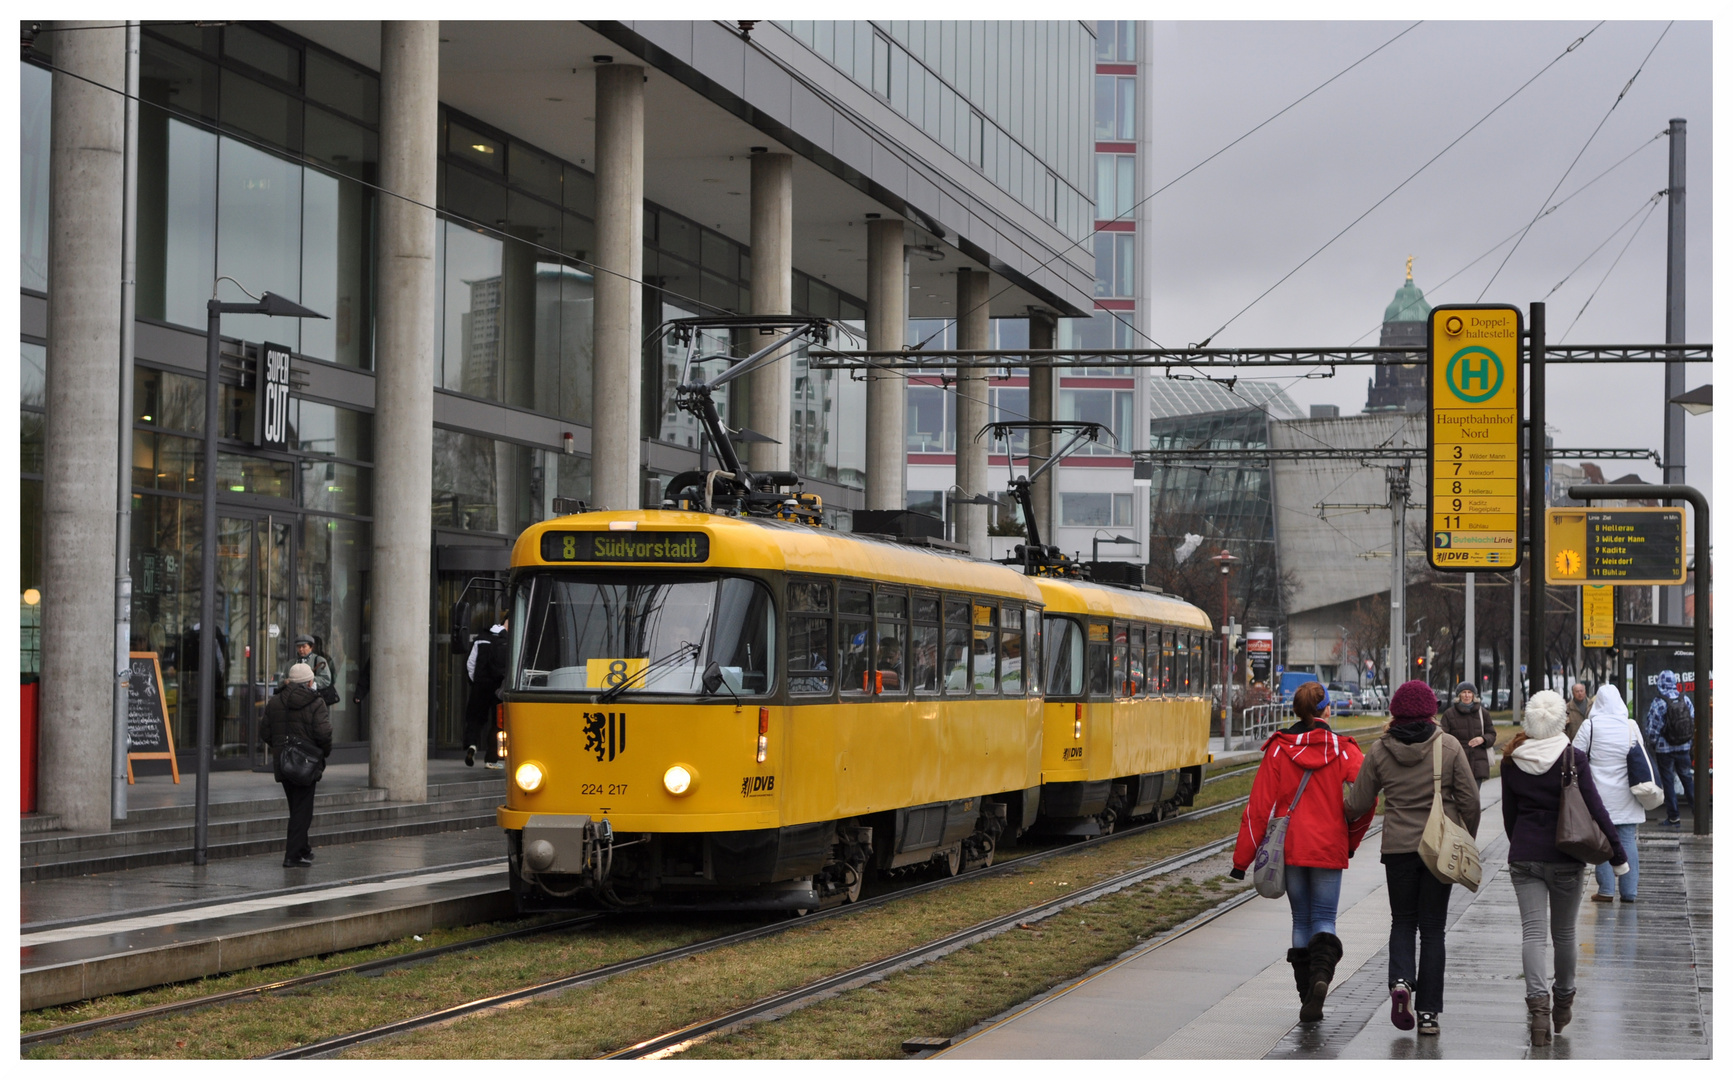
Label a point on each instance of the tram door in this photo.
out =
(254, 567)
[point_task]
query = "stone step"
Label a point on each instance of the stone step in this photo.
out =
(163, 850)
(38, 823)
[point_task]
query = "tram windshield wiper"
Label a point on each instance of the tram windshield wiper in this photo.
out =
(612, 693)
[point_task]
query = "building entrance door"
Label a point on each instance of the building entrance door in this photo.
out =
(254, 605)
(469, 597)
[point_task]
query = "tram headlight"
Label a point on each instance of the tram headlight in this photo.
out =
(529, 776)
(679, 779)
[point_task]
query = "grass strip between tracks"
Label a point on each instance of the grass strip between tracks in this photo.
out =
(594, 1020)
(257, 1026)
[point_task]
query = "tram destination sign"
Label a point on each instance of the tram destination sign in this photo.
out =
(1474, 387)
(1615, 545)
(625, 547)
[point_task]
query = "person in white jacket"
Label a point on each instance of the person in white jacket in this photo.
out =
(1605, 737)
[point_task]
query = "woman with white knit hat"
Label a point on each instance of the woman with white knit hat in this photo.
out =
(1547, 881)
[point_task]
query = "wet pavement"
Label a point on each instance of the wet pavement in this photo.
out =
(1224, 989)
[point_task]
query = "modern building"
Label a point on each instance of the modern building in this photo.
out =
(495, 217)
(1094, 496)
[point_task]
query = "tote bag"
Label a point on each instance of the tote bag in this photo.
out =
(1579, 836)
(1641, 771)
(1446, 848)
(1269, 865)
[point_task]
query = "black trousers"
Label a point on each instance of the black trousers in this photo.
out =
(1419, 903)
(300, 819)
(478, 722)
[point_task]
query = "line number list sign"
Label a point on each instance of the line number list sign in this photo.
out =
(1474, 383)
(1615, 545)
(1598, 616)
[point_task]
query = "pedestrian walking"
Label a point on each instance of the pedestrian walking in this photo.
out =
(1671, 727)
(1319, 840)
(1576, 709)
(1607, 737)
(1548, 881)
(487, 672)
(1468, 720)
(298, 718)
(1401, 766)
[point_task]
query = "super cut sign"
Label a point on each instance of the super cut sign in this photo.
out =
(1474, 386)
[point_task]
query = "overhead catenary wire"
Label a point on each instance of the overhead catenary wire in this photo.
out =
(1572, 47)
(1648, 203)
(1562, 176)
(1634, 233)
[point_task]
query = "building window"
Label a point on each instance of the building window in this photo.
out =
(1110, 408)
(1115, 107)
(1102, 510)
(881, 67)
(1115, 41)
(977, 140)
(1115, 264)
(1115, 185)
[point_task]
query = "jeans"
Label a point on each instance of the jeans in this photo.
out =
(1541, 886)
(1667, 764)
(1313, 892)
(1418, 902)
(300, 819)
(1604, 876)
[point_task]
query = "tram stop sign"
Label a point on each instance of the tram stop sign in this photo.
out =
(1598, 545)
(1474, 387)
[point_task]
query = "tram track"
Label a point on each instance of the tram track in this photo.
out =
(335, 1044)
(135, 1017)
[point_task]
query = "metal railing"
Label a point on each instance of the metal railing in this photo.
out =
(1255, 723)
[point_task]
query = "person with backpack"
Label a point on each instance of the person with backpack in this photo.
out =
(1304, 769)
(1401, 765)
(1671, 728)
(298, 719)
(487, 672)
(1549, 882)
(1607, 737)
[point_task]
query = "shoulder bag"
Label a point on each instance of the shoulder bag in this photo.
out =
(1641, 771)
(1579, 836)
(1269, 865)
(299, 761)
(1446, 848)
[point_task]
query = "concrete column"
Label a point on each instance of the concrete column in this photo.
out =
(85, 180)
(403, 416)
(772, 392)
(886, 391)
(617, 379)
(973, 330)
(1042, 380)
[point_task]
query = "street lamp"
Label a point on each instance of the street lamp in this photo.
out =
(1226, 561)
(963, 498)
(1096, 541)
(268, 304)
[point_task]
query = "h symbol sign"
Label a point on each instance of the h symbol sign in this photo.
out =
(1474, 368)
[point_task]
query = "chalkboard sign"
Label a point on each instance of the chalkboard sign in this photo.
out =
(148, 736)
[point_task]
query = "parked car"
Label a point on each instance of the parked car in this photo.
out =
(1374, 699)
(1501, 699)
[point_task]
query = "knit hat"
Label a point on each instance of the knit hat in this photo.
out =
(1466, 685)
(1414, 700)
(300, 674)
(1544, 715)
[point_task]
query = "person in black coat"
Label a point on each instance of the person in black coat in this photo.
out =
(487, 672)
(1468, 720)
(298, 710)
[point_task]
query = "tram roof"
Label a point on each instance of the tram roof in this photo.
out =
(1084, 597)
(771, 544)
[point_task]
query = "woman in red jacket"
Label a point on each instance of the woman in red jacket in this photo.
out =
(1320, 838)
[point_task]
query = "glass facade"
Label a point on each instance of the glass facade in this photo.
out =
(1008, 97)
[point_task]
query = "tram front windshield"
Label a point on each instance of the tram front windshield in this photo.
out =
(657, 633)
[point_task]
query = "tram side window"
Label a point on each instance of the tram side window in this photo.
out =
(924, 646)
(1062, 644)
(984, 649)
(1032, 652)
(1120, 677)
(1139, 683)
(956, 654)
(1011, 650)
(890, 664)
(854, 637)
(811, 663)
(1100, 661)
(1182, 655)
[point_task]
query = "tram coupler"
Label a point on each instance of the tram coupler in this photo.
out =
(568, 844)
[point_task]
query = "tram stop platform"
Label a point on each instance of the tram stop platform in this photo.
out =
(105, 913)
(1223, 989)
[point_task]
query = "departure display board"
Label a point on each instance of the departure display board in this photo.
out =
(1615, 545)
(1474, 386)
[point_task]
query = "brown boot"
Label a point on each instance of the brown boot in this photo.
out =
(1561, 1008)
(1539, 1020)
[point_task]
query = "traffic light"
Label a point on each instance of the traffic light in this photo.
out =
(1420, 661)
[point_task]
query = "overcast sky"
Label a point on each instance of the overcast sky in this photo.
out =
(1234, 227)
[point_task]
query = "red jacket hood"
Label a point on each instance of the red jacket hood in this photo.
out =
(1310, 749)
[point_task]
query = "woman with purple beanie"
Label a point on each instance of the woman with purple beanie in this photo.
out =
(1400, 766)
